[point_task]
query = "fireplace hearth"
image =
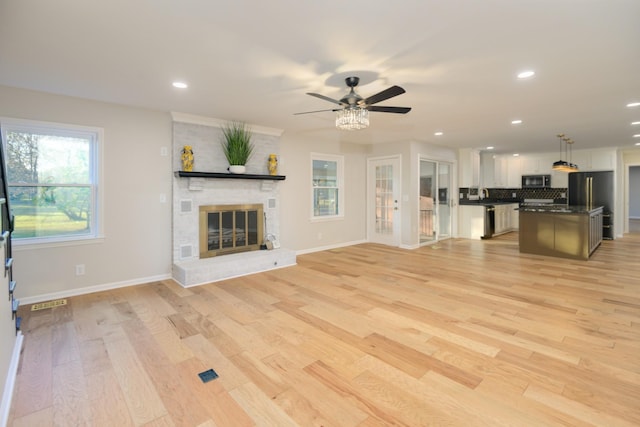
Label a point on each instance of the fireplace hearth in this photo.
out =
(227, 229)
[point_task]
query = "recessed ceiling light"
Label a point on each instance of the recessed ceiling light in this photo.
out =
(637, 143)
(489, 148)
(633, 104)
(635, 123)
(526, 74)
(438, 133)
(516, 122)
(637, 135)
(180, 85)
(516, 155)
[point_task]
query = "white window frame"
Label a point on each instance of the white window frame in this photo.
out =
(339, 160)
(96, 136)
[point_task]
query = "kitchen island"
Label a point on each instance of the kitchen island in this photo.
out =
(562, 231)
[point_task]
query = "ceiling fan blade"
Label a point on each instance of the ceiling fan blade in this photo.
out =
(385, 94)
(382, 109)
(316, 111)
(326, 98)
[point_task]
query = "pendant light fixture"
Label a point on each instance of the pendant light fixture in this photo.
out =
(565, 165)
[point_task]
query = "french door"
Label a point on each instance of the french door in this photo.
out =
(383, 200)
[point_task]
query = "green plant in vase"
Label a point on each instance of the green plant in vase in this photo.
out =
(237, 146)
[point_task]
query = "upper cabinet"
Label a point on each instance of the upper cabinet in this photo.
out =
(469, 167)
(505, 171)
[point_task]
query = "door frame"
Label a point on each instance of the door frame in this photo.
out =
(397, 221)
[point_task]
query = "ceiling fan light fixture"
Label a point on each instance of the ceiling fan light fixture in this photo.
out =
(352, 118)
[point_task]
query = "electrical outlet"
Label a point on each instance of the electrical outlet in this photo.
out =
(164, 151)
(163, 198)
(80, 270)
(513, 195)
(319, 236)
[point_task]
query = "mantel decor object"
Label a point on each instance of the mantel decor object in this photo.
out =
(237, 146)
(273, 164)
(187, 158)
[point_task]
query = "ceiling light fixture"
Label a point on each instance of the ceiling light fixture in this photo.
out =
(516, 122)
(489, 148)
(438, 134)
(526, 74)
(633, 104)
(635, 123)
(180, 85)
(352, 118)
(564, 165)
(636, 135)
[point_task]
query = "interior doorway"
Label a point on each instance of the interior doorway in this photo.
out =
(435, 216)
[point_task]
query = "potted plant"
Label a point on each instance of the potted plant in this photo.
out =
(237, 146)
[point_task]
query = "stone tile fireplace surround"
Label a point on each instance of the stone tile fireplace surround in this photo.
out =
(204, 135)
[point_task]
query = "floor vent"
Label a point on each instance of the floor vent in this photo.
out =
(48, 304)
(208, 375)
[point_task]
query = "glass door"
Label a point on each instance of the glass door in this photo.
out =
(428, 202)
(383, 195)
(435, 201)
(444, 200)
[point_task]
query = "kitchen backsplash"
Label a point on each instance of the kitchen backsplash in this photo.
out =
(559, 195)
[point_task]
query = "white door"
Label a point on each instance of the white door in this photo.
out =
(383, 200)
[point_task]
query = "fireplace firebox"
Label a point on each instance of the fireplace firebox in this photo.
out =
(226, 229)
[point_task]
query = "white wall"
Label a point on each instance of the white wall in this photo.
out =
(137, 228)
(298, 232)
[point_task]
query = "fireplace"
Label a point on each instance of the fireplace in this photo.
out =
(226, 229)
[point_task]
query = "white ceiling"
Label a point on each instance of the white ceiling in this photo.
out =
(254, 60)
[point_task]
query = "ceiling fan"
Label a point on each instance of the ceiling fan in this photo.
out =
(354, 111)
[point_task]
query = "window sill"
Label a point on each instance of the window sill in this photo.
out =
(18, 245)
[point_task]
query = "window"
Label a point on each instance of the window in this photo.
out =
(52, 178)
(327, 181)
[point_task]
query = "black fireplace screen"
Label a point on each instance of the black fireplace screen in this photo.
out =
(229, 229)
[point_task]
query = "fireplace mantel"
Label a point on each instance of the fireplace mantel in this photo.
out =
(217, 175)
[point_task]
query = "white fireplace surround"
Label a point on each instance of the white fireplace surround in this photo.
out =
(204, 136)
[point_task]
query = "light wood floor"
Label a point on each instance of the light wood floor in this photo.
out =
(464, 333)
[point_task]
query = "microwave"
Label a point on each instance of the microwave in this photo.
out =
(536, 181)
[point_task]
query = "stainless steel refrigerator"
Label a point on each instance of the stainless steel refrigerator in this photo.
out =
(594, 189)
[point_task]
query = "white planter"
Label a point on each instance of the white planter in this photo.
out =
(237, 169)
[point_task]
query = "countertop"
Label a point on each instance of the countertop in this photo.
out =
(486, 202)
(560, 209)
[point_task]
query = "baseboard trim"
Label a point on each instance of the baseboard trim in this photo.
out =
(329, 247)
(91, 289)
(10, 384)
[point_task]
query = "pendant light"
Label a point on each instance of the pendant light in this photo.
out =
(565, 165)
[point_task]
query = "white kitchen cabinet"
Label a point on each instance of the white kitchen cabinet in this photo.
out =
(531, 164)
(469, 167)
(487, 170)
(514, 172)
(500, 171)
(471, 224)
(515, 217)
(504, 218)
(601, 160)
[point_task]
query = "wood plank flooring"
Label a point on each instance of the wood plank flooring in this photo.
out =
(463, 333)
